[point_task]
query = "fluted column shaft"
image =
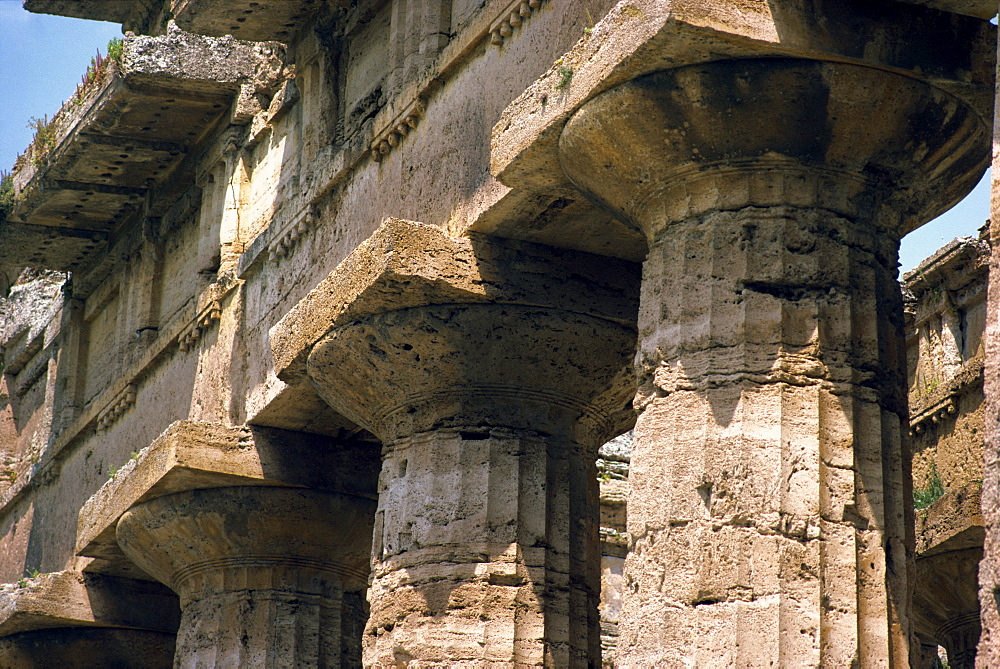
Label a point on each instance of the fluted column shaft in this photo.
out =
(769, 520)
(486, 548)
(491, 370)
(485, 551)
(766, 509)
(268, 577)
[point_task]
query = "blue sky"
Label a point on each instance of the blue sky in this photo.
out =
(42, 58)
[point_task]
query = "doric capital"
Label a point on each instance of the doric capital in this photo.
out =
(204, 542)
(479, 366)
(417, 330)
(862, 142)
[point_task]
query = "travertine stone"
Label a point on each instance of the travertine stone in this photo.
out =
(74, 599)
(69, 619)
(491, 408)
(639, 37)
(121, 137)
(268, 577)
(193, 455)
(989, 569)
(945, 597)
(769, 484)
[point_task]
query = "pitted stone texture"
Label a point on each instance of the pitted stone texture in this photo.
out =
(74, 599)
(989, 569)
(492, 371)
(482, 366)
(486, 543)
(272, 20)
(639, 37)
(193, 455)
(485, 553)
(739, 133)
(758, 477)
(221, 63)
(407, 264)
(267, 576)
(769, 487)
(87, 648)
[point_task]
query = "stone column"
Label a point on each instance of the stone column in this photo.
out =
(486, 548)
(989, 569)
(951, 338)
(769, 513)
(268, 577)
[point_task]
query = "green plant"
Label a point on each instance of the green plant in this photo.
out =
(134, 456)
(565, 76)
(22, 582)
(99, 64)
(8, 196)
(113, 472)
(923, 498)
(44, 140)
(116, 49)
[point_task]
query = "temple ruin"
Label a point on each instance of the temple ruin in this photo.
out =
(469, 333)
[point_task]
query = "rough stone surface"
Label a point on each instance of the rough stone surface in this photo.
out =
(194, 455)
(74, 599)
(147, 109)
(772, 353)
(263, 574)
(234, 274)
(522, 384)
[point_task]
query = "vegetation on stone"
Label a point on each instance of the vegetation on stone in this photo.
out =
(924, 497)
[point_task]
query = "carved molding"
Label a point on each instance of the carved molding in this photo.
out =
(396, 131)
(513, 16)
(288, 239)
(119, 405)
(205, 320)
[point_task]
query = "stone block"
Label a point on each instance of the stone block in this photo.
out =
(125, 133)
(74, 599)
(637, 38)
(406, 264)
(193, 455)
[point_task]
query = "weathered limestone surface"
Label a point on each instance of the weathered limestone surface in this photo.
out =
(945, 322)
(74, 599)
(169, 319)
(473, 357)
(769, 487)
(612, 467)
(147, 111)
(770, 357)
(946, 597)
(267, 577)
(192, 455)
(989, 569)
(85, 620)
(946, 318)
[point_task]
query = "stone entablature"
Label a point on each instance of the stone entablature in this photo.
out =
(946, 319)
(193, 455)
(299, 559)
(70, 618)
(482, 371)
(118, 141)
